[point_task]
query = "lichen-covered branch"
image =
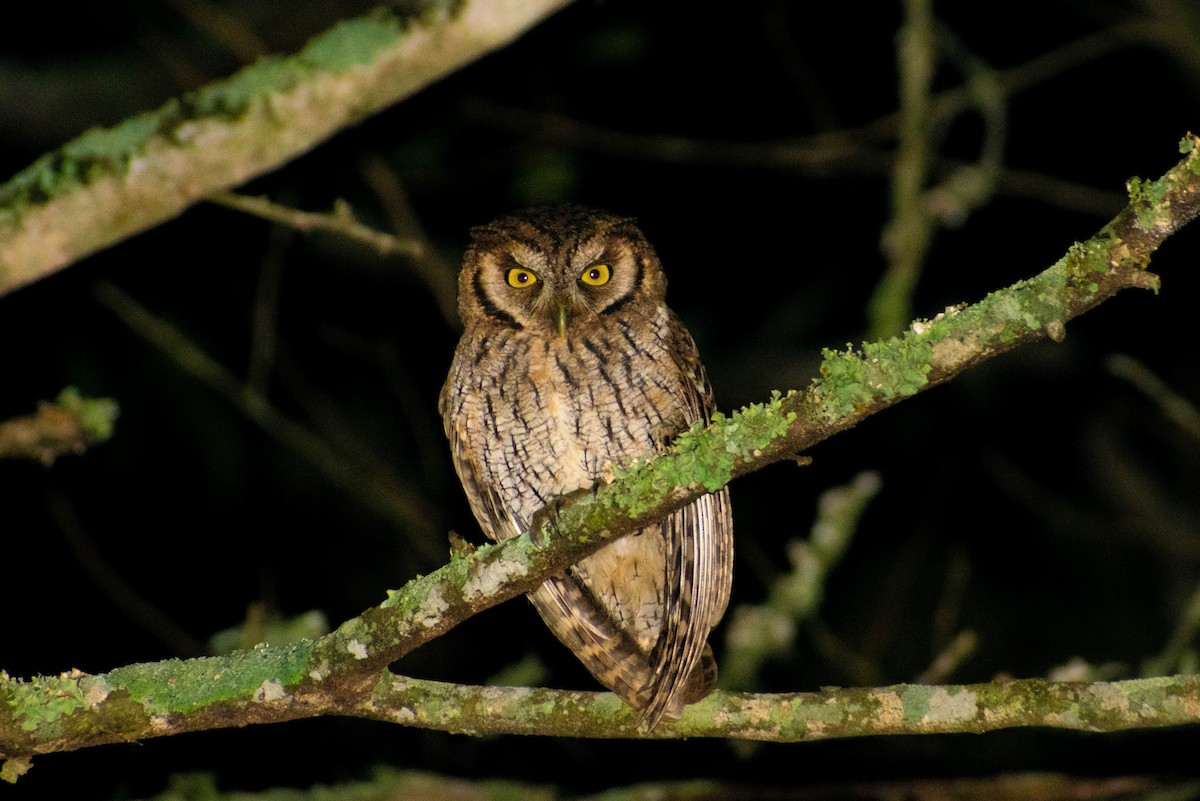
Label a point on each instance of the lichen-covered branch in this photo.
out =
(345, 672)
(832, 713)
(110, 183)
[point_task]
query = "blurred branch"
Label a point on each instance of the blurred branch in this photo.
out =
(757, 632)
(920, 207)
(1176, 408)
(860, 149)
(113, 584)
(222, 27)
(340, 221)
(439, 277)
(391, 783)
(1179, 654)
(948, 660)
(382, 492)
(346, 671)
(71, 424)
(909, 229)
(110, 183)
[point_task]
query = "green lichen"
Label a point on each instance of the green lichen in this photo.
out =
(352, 42)
(1027, 306)
(1084, 260)
(1146, 198)
(880, 371)
(44, 700)
(93, 154)
(182, 686)
(98, 415)
(102, 152)
(702, 456)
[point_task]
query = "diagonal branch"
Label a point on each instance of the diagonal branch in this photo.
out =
(345, 672)
(110, 183)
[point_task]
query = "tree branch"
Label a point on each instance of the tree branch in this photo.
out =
(833, 713)
(345, 672)
(70, 424)
(110, 183)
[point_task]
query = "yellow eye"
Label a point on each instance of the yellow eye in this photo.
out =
(596, 275)
(520, 277)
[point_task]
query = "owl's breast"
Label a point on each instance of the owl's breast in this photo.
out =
(551, 415)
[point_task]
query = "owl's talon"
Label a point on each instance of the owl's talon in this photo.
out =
(545, 520)
(459, 546)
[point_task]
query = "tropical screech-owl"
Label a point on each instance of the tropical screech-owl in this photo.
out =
(571, 363)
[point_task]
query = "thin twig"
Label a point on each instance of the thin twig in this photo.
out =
(110, 581)
(340, 222)
(386, 494)
(910, 226)
(439, 277)
(1176, 408)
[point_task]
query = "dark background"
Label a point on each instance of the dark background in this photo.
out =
(1039, 501)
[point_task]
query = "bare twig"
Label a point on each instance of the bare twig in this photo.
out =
(341, 222)
(1176, 408)
(386, 494)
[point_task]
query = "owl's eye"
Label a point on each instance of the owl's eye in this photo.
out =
(596, 275)
(520, 277)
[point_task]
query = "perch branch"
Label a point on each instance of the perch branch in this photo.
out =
(345, 672)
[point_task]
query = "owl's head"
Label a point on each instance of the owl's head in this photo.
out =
(553, 269)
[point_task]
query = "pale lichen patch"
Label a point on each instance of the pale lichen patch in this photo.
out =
(757, 711)
(432, 608)
(1111, 698)
(357, 649)
(270, 690)
(1067, 719)
(485, 583)
(947, 707)
(96, 693)
(891, 709)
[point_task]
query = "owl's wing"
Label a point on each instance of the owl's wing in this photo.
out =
(607, 650)
(699, 567)
(486, 504)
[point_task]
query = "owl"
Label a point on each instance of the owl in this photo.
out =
(571, 364)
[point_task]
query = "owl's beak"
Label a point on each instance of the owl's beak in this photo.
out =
(563, 316)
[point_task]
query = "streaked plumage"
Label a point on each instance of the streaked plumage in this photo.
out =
(570, 363)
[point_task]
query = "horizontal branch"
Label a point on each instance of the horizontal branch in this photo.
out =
(833, 713)
(341, 673)
(110, 183)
